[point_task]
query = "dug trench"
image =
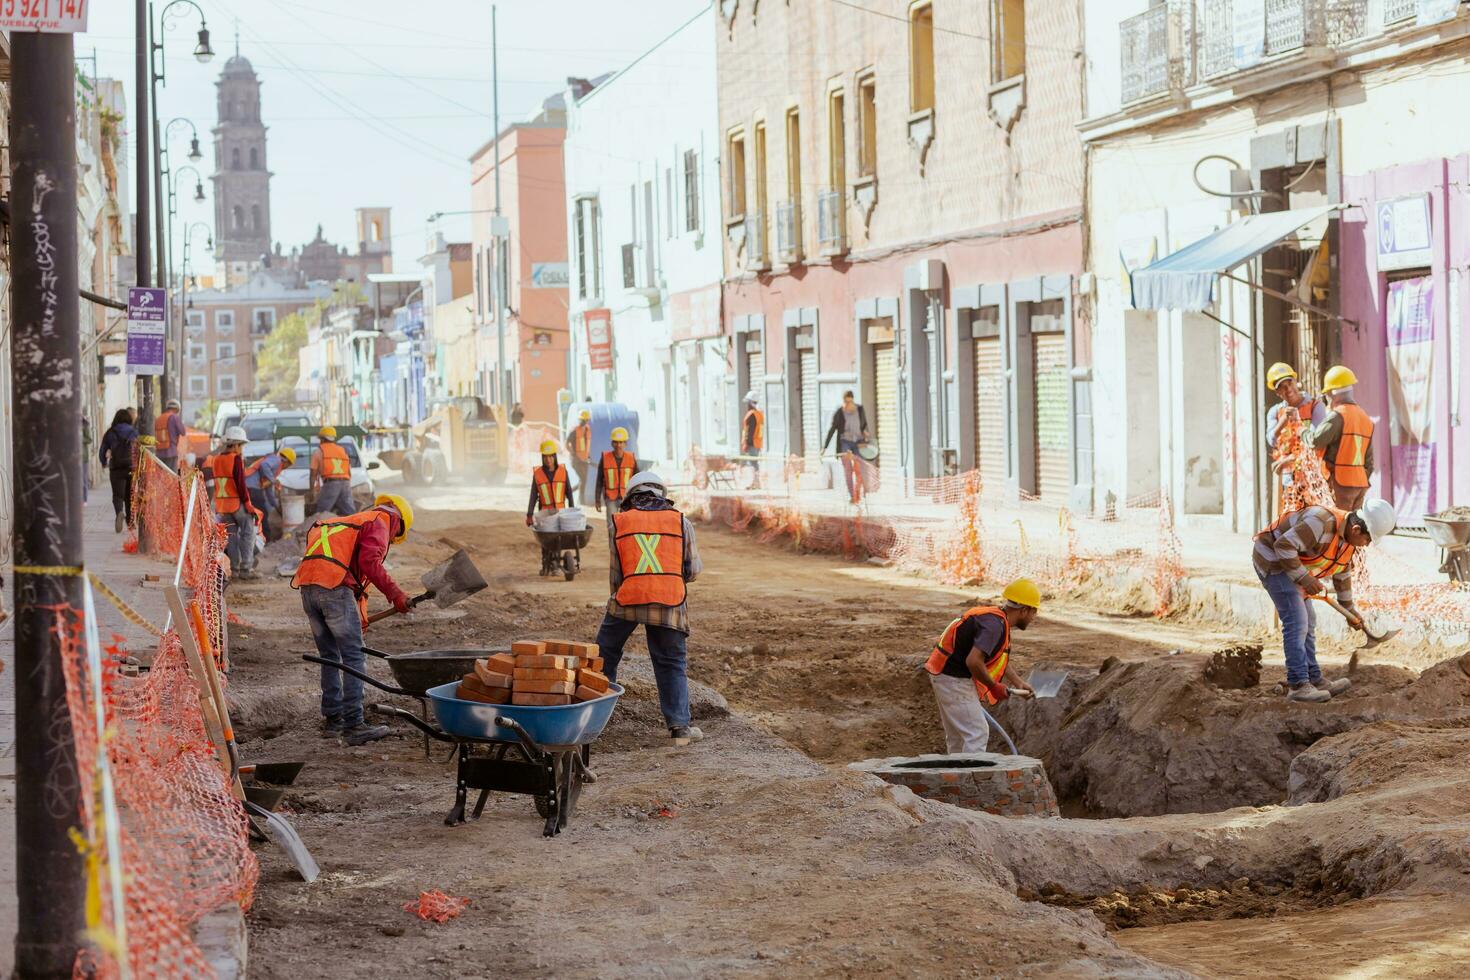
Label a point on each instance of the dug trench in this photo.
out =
(739, 853)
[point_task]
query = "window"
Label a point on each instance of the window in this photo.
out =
(255, 217)
(736, 191)
(254, 158)
(377, 229)
(263, 320)
(668, 202)
(921, 57)
(589, 248)
(793, 154)
(195, 318)
(630, 266)
(691, 190)
(196, 353)
(259, 346)
(224, 321)
(225, 384)
(198, 387)
(224, 352)
(867, 126)
(1007, 39)
(836, 141)
(237, 218)
(235, 158)
(760, 169)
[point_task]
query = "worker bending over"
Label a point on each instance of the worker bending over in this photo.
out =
(263, 481)
(343, 557)
(1291, 557)
(1310, 412)
(224, 476)
(548, 484)
(970, 665)
(616, 472)
(331, 474)
(1346, 437)
(580, 444)
(653, 559)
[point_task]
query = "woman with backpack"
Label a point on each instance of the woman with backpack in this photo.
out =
(117, 456)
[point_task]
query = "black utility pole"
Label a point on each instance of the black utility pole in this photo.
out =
(48, 496)
(141, 133)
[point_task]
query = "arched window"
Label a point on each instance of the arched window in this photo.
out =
(235, 158)
(255, 217)
(237, 217)
(377, 230)
(254, 158)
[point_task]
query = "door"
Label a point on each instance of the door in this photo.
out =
(990, 413)
(885, 419)
(811, 420)
(755, 370)
(1053, 466)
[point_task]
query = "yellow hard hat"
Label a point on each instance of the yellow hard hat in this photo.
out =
(620, 434)
(404, 511)
(327, 432)
(584, 415)
(1023, 592)
(1277, 373)
(548, 448)
(289, 455)
(1338, 377)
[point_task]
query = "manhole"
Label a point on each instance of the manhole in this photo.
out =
(1008, 785)
(946, 764)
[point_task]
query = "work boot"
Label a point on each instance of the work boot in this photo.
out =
(1305, 691)
(363, 733)
(118, 523)
(1334, 688)
(685, 734)
(332, 726)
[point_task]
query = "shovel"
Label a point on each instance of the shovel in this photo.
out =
(1357, 623)
(1046, 683)
(446, 583)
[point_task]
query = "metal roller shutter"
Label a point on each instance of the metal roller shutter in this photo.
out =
(885, 420)
(990, 413)
(755, 366)
(1053, 444)
(811, 419)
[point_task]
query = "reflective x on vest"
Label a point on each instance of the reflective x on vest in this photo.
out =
(331, 547)
(336, 465)
(650, 553)
(995, 667)
(226, 494)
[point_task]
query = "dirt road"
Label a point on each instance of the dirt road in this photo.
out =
(752, 852)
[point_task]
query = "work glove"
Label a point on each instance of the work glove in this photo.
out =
(1000, 692)
(401, 603)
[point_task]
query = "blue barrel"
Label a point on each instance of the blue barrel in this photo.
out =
(606, 416)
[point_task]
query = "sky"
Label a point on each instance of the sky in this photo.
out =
(372, 103)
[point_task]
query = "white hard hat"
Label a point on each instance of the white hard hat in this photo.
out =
(1378, 517)
(751, 397)
(647, 480)
(236, 433)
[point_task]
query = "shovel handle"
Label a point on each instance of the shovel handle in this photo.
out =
(373, 618)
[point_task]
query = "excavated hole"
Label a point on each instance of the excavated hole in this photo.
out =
(947, 764)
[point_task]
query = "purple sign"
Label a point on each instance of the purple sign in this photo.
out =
(147, 327)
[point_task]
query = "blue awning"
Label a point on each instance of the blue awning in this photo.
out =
(1185, 280)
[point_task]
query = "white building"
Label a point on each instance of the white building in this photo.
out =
(643, 211)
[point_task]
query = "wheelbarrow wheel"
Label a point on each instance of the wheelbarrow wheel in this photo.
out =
(568, 565)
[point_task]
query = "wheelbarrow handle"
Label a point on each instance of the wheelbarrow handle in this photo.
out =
(527, 742)
(365, 678)
(414, 720)
(394, 611)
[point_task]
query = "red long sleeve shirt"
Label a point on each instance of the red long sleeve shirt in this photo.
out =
(367, 564)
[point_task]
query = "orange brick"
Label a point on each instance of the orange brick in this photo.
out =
(543, 700)
(545, 687)
(540, 674)
(592, 663)
(491, 679)
(592, 679)
(545, 662)
(493, 695)
(561, 648)
(584, 650)
(533, 648)
(501, 663)
(585, 693)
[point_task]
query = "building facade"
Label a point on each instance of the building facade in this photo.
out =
(643, 219)
(903, 218)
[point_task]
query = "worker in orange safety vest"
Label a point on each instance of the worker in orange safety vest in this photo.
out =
(580, 444)
(752, 432)
(224, 476)
(1346, 437)
(616, 471)
(550, 485)
(970, 665)
(169, 433)
(331, 474)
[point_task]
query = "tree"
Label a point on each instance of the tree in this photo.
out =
(278, 364)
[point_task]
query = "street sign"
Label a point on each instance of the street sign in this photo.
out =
(1404, 233)
(147, 325)
(550, 275)
(599, 339)
(44, 16)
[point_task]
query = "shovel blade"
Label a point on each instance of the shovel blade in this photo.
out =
(283, 834)
(1373, 641)
(1046, 683)
(453, 580)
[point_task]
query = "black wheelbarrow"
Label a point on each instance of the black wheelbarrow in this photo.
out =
(561, 551)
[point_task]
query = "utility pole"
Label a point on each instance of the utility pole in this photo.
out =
(498, 232)
(47, 537)
(141, 230)
(161, 244)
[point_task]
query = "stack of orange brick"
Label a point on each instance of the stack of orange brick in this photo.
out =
(537, 672)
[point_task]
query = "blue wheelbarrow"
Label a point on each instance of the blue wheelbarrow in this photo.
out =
(542, 752)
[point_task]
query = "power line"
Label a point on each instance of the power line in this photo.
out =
(1029, 45)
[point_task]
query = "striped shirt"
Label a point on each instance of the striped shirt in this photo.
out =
(674, 617)
(1301, 532)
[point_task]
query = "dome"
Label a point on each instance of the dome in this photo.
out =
(238, 65)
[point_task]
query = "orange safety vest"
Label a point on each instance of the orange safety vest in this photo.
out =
(995, 667)
(336, 464)
(757, 439)
(162, 446)
(1334, 557)
(616, 474)
(1352, 447)
(331, 547)
(227, 496)
(582, 442)
(551, 491)
(650, 547)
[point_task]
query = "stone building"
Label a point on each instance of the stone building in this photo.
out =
(242, 196)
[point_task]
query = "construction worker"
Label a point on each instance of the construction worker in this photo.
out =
(169, 433)
(1291, 557)
(753, 431)
(1281, 378)
(970, 665)
(1346, 438)
(616, 471)
(580, 444)
(550, 485)
(263, 481)
(344, 556)
(331, 473)
(224, 475)
(653, 560)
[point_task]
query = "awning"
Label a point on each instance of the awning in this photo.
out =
(1185, 280)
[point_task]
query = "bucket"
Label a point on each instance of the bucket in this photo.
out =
(293, 509)
(571, 519)
(545, 520)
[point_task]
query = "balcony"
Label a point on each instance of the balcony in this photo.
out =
(1286, 26)
(1157, 53)
(831, 221)
(788, 231)
(756, 256)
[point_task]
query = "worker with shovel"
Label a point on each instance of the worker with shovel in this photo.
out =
(343, 557)
(1291, 557)
(970, 666)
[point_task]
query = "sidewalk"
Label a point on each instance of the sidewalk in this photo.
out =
(221, 934)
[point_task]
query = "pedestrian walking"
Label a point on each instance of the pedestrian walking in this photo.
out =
(169, 434)
(1346, 437)
(653, 559)
(753, 433)
(850, 426)
(119, 444)
(549, 484)
(616, 472)
(580, 443)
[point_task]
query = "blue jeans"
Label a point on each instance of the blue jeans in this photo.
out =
(666, 648)
(1298, 627)
(337, 629)
(241, 546)
(335, 496)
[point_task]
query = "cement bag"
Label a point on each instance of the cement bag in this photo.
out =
(546, 520)
(571, 519)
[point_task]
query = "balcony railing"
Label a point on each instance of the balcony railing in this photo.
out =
(831, 221)
(1397, 10)
(1157, 50)
(755, 241)
(1287, 26)
(788, 231)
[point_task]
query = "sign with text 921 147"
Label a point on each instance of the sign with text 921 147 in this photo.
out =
(44, 16)
(147, 325)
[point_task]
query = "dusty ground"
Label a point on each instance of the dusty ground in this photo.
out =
(757, 852)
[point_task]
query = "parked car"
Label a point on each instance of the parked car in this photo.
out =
(260, 431)
(297, 478)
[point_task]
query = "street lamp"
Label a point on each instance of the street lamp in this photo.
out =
(203, 53)
(168, 131)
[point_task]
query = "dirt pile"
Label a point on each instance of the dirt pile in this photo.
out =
(1235, 668)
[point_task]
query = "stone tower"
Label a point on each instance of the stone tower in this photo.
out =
(375, 235)
(242, 194)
